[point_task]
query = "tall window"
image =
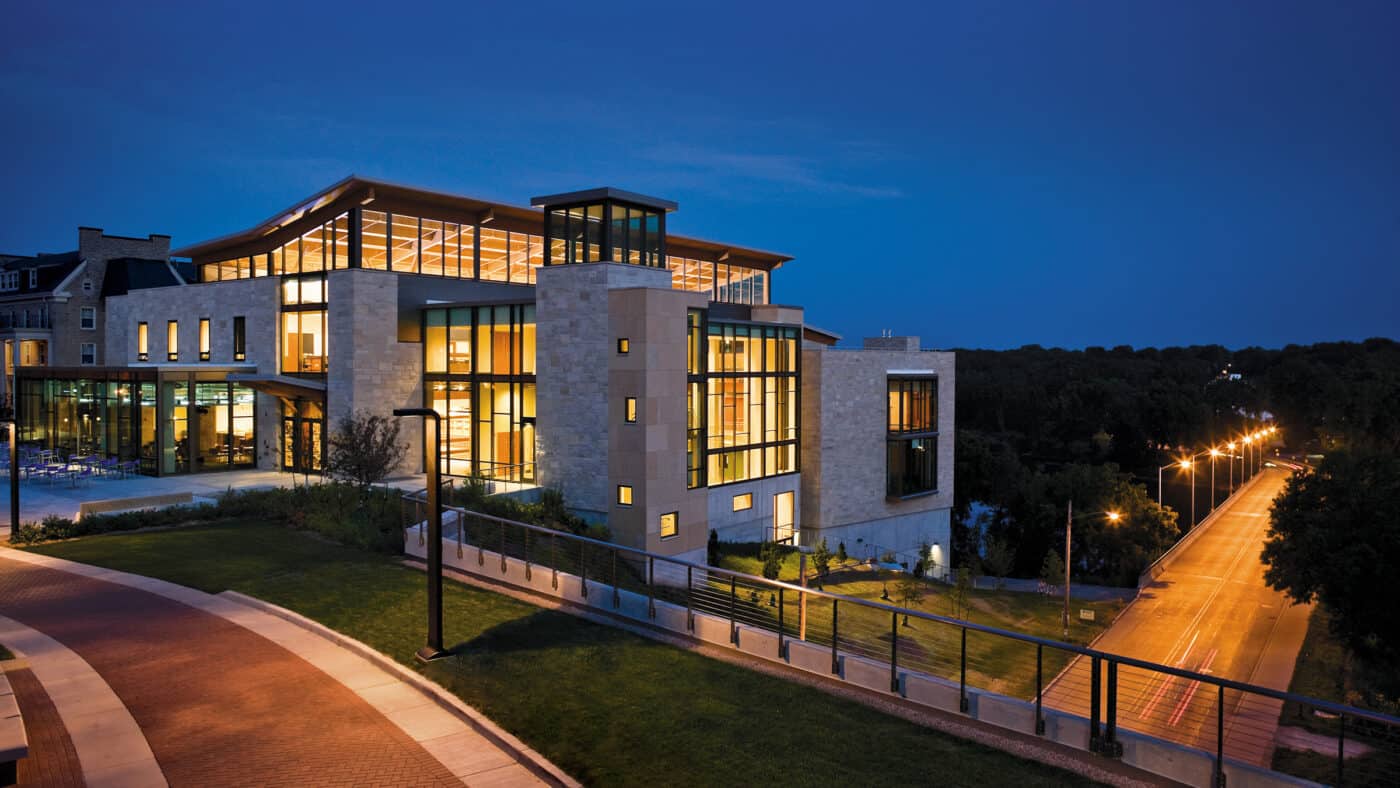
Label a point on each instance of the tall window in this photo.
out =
(695, 399)
(87, 318)
(751, 383)
(172, 340)
(240, 339)
(912, 442)
(304, 330)
(204, 339)
(629, 410)
(143, 338)
(88, 353)
(479, 373)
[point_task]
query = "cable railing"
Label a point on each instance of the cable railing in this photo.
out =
(1111, 704)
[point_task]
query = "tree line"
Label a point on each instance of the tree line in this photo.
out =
(1040, 426)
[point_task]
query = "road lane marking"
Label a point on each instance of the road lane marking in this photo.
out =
(1191, 693)
(1168, 679)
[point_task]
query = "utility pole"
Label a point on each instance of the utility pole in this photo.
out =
(1069, 528)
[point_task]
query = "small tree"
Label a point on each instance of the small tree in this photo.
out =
(961, 590)
(998, 559)
(910, 593)
(712, 549)
(1052, 569)
(772, 560)
(364, 449)
(841, 556)
(821, 558)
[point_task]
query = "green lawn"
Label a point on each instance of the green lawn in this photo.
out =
(994, 663)
(1326, 669)
(5, 653)
(607, 706)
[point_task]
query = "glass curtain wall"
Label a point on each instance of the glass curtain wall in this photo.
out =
(751, 422)
(98, 417)
(912, 444)
(322, 248)
(479, 371)
(726, 284)
(606, 231)
(432, 247)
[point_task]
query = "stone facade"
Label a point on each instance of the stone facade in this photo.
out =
(256, 300)
(754, 524)
(574, 353)
(370, 369)
(844, 413)
(650, 454)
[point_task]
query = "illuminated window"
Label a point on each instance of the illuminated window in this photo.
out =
(240, 339)
(911, 464)
(204, 339)
(624, 346)
(743, 502)
(630, 410)
(670, 524)
(143, 336)
(624, 495)
(479, 373)
(751, 382)
(172, 340)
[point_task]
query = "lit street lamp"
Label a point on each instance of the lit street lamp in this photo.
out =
(433, 650)
(1191, 466)
(1213, 454)
(1231, 457)
(1112, 516)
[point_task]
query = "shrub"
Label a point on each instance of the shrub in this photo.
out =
(841, 556)
(888, 557)
(364, 449)
(772, 560)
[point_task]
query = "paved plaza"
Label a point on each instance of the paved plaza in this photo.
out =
(133, 681)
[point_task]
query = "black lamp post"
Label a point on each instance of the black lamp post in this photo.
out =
(433, 650)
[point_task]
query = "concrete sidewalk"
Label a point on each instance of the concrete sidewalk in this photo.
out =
(226, 694)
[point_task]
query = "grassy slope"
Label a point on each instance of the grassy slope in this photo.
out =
(5, 653)
(607, 706)
(994, 663)
(1325, 669)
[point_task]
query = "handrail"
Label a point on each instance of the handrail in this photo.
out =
(1318, 703)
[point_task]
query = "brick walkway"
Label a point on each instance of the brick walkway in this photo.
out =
(218, 704)
(52, 761)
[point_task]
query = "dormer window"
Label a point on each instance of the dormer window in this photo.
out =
(33, 278)
(9, 280)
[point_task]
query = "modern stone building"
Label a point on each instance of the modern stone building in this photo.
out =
(575, 344)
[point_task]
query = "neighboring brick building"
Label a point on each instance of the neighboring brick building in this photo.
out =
(576, 345)
(51, 305)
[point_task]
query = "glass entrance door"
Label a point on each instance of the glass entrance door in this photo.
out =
(783, 517)
(303, 433)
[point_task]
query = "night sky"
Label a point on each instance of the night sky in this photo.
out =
(982, 174)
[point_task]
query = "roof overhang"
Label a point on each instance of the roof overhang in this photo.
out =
(605, 193)
(281, 385)
(371, 193)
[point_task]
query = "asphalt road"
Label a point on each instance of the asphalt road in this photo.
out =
(1210, 612)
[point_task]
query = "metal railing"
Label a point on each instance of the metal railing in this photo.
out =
(1229, 723)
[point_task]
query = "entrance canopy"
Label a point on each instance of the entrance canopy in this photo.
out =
(283, 386)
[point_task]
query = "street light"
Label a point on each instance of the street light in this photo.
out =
(1187, 465)
(1112, 516)
(433, 650)
(1213, 454)
(1231, 448)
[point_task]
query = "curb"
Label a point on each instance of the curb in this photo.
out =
(527, 757)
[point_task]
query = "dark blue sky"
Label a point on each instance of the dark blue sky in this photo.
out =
(982, 174)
